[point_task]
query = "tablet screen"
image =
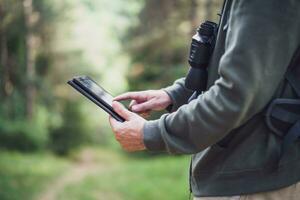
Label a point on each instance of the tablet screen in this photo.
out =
(97, 90)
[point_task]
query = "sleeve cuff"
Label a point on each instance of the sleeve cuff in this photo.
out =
(172, 91)
(178, 93)
(152, 136)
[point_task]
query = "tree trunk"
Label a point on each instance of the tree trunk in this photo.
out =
(30, 57)
(5, 90)
(193, 16)
(4, 65)
(209, 10)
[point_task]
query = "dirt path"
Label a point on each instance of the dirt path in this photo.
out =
(85, 166)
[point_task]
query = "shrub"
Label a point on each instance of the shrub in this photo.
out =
(72, 132)
(25, 135)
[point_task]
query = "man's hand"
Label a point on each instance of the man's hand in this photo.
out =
(145, 101)
(129, 133)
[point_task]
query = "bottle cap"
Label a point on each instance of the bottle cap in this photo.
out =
(207, 28)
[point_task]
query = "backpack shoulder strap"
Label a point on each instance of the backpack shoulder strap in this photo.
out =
(293, 73)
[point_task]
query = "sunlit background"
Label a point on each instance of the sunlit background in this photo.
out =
(55, 144)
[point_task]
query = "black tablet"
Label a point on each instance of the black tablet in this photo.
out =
(91, 90)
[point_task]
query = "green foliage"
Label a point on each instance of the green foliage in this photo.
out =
(25, 135)
(72, 133)
(120, 177)
(158, 45)
(90, 37)
(19, 92)
(105, 174)
(24, 175)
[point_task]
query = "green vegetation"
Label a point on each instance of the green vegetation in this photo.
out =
(129, 178)
(22, 176)
(123, 45)
(43, 43)
(93, 174)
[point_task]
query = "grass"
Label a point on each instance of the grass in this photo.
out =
(22, 176)
(123, 177)
(115, 175)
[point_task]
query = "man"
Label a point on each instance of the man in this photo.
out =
(235, 155)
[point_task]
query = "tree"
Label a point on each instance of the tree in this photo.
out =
(159, 44)
(31, 45)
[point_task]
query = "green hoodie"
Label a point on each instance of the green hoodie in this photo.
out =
(255, 44)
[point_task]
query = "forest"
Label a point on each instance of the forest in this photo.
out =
(55, 144)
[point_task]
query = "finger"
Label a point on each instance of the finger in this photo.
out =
(139, 96)
(115, 125)
(144, 107)
(145, 114)
(132, 103)
(121, 110)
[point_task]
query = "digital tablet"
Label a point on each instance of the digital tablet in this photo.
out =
(91, 90)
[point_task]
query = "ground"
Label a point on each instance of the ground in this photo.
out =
(95, 173)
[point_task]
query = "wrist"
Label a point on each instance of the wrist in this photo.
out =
(152, 138)
(169, 100)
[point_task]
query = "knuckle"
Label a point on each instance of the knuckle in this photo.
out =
(125, 129)
(118, 134)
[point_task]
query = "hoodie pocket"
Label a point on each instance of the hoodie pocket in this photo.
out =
(208, 160)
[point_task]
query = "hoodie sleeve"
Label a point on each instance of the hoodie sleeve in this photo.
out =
(178, 93)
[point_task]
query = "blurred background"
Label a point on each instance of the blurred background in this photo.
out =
(54, 143)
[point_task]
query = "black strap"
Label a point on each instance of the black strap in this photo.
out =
(293, 78)
(293, 73)
(284, 115)
(292, 135)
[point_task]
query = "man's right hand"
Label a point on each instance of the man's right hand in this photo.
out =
(145, 101)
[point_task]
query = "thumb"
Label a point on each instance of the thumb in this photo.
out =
(121, 110)
(132, 103)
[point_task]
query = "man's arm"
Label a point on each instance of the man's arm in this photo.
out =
(261, 39)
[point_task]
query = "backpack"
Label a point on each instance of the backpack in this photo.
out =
(282, 115)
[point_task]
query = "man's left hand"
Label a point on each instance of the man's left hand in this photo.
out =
(129, 133)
